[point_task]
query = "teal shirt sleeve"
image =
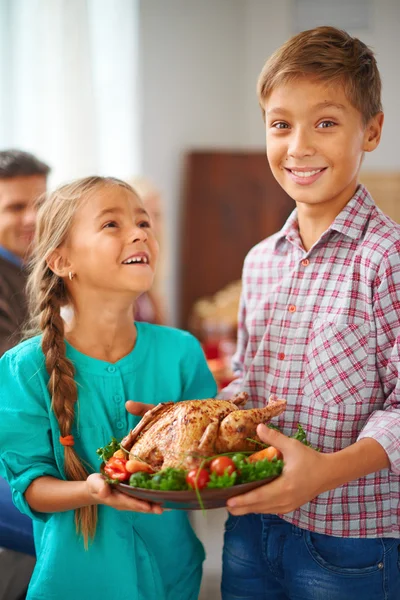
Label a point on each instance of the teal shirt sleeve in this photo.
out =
(26, 449)
(198, 381)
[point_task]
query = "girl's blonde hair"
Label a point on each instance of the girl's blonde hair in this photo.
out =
(47, 293)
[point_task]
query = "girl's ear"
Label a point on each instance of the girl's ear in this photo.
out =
(373, 132)
(59, 263)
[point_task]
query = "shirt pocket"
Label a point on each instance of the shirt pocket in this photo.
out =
(336, 361)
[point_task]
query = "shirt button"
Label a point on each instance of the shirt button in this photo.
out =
(281, 355)
(120, 425)
(305, 262)
(292, 308)
(111, 369)
(117, 398)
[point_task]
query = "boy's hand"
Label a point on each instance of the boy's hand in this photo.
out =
(100, 492)
(138, 408)
(302, 479)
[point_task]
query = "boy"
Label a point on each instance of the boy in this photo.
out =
(320, 326)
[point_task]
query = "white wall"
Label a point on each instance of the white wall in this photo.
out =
(193, 95)
(200, 62)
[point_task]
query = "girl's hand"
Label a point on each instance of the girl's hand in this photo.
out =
(303, 478)
(101, 492)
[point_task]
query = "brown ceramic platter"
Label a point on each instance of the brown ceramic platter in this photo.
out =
(187, 499)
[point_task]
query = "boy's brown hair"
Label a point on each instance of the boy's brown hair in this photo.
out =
(330, 55)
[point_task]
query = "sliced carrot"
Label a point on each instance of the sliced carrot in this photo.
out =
(134, 466)
(119, 454)
(265, 454)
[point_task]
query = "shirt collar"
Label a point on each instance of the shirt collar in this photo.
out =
(352, 219)
(349, 222)
(11, 257)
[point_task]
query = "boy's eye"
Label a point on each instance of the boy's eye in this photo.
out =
(280, 125)
(325, 124)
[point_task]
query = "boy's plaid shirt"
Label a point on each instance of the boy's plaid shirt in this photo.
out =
(322, 329)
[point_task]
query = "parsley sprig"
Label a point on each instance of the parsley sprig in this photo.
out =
(107, 452)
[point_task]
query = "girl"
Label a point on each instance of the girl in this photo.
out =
(62, 397)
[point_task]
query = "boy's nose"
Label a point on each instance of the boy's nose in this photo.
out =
(300, 145)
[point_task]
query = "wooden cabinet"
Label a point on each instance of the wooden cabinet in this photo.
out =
(231, 201)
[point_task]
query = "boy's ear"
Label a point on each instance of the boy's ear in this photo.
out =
(58, 263)
(373, 132)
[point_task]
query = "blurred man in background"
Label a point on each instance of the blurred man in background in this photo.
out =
(151, 306)
(22, 180)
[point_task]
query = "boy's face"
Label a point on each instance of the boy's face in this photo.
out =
(316, 141)
(18, 197)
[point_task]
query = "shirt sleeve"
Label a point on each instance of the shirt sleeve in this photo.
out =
(198, 381)
(26, 449)
(8, 323)
(384, 425)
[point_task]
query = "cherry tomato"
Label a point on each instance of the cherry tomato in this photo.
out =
(221, 465)
(134, 466)
(197, 478)
(115, 469)
(116, 463)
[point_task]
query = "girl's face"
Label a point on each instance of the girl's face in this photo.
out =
(112, 246)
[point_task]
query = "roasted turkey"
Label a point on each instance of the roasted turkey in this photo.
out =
(182, 434)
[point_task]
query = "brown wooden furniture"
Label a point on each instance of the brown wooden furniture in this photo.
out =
(384, 186)
(231, 201)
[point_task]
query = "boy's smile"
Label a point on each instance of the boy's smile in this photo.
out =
(305, 175)
(316, 140)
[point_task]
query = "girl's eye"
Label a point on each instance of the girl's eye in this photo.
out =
(280, 125)
(325, 124)
(144, 224)
(110, 224)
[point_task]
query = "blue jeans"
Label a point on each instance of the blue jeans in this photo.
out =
(15, 528)
(266, 558)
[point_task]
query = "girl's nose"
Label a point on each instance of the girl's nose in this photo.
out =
(139, 234)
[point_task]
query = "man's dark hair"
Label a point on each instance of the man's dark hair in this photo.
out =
(16, 163)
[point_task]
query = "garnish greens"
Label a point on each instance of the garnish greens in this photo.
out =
(108, 451)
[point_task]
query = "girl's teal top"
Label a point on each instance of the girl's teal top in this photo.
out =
(134, 556)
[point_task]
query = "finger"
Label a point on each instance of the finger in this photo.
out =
(157, 509)
(138, 408)
(103, 490)
(124, 502)
(273, 438)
